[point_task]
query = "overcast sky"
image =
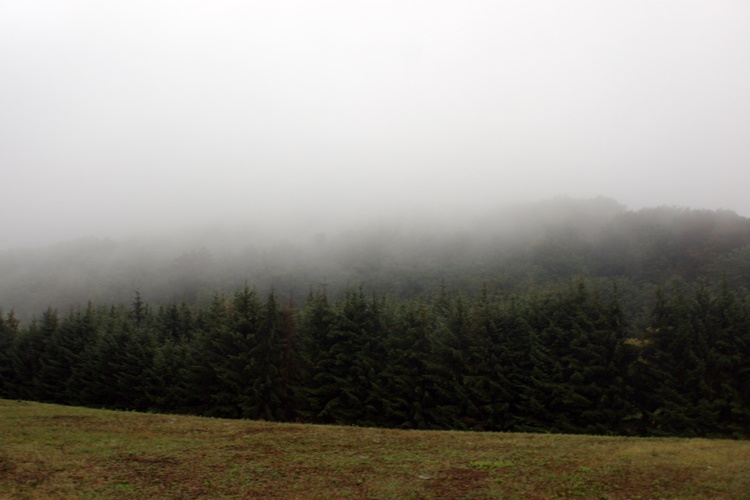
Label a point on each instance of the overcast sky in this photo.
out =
(119, 116)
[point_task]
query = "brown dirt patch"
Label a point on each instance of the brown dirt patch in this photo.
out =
(457, 483)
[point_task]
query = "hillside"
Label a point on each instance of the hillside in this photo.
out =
(49, 451)
(562, 316)
(568, 358)
(506, 249)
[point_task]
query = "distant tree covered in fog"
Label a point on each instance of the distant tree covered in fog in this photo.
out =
(565, 358)
(507, 250)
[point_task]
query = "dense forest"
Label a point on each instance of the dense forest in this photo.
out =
(558, 359)
(564, 316)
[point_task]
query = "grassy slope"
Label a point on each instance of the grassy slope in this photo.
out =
(56, 451)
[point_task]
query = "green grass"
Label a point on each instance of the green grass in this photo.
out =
(49, 451)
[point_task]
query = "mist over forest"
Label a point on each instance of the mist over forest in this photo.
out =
(506, 249)
(574, 316)
(325, 211)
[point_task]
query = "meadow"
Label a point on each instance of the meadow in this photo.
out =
(50, 451)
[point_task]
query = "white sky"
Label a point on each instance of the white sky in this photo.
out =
(119, 116)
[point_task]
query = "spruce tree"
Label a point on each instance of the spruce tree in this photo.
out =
(266, 385)
(485, 377)
(9, 331)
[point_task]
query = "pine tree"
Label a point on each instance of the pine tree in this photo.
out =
(344, 352)
(174, 323)
(514, 348)
(116, 364)
(165, 386)
(670, 373)
(728, 362)
(211, 382)
(409, 388)
(27, 355)
(267, 387)
(63, 354)
(316, 322)
(9, 332)
(485, 377)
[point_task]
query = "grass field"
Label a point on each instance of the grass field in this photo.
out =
(49, 451)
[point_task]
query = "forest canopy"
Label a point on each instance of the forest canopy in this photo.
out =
(565, 358)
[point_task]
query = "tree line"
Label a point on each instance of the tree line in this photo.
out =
(566, 358)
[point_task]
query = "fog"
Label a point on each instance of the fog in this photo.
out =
(118, 118)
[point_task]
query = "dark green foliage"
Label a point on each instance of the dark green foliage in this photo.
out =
(209, 381)
(9, 331)
(420, 391)
(734, 267)
(345, 356)
(692, 374)
(268, 377)
(560, 326)
(568, 358)
(65, 345)
(484, 376)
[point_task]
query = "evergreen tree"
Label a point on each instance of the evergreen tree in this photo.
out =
(268, 386)
(447, 365)
(485, 377)
(207, 377)
(556, 359)
(165, 386)
(9, 332)
(116, 363)
(174, 323)
(728, 362)
(26, 356)
(63, 353)
(670, 374)
(514, 355)
(409, 398)
(344, 352)
(316, 322)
